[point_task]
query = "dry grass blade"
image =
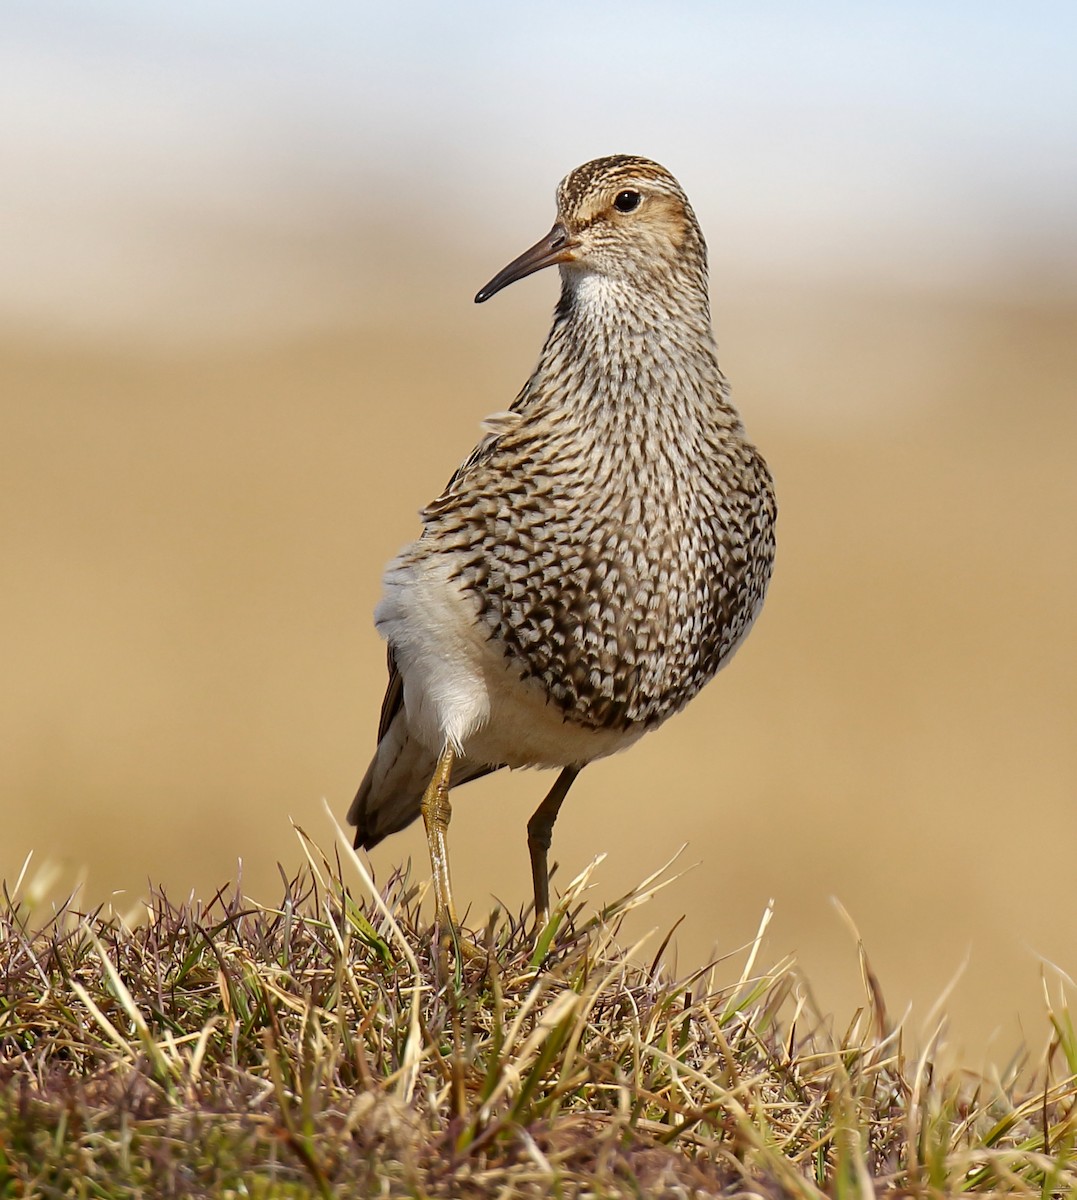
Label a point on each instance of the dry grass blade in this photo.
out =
(237, 1048)
(413, 1050)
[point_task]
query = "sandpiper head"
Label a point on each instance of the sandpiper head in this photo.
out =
(623, 217)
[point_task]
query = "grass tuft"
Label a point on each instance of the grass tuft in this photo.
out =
(322, 1048)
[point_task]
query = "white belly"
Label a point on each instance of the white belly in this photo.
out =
(460, 688)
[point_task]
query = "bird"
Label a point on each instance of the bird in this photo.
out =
(600, 554)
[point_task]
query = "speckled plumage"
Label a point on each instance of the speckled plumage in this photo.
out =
(608, 543)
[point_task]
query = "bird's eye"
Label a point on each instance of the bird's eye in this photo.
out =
(627, 201)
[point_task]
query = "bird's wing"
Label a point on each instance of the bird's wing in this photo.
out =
(393, 698)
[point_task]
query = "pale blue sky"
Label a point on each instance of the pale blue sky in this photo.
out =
(926, 143)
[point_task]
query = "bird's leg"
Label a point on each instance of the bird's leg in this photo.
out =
(539, 833)
(437, 812)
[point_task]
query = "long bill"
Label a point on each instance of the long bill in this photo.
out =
(555, 247)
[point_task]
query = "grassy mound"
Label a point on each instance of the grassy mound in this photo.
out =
(324, 1047)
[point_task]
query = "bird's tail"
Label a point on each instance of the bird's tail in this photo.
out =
(390, 796)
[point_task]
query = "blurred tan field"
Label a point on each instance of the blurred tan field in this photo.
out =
(193, 532)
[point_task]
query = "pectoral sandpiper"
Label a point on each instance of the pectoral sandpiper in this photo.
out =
(601, 553)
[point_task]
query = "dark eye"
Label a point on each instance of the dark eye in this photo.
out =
(627, 201)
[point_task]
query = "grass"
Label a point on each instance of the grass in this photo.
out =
(323, 1047)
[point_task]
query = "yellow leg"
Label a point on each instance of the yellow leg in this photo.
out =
(437, 812)
(539, 835)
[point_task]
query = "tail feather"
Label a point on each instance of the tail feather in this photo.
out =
(390, 796)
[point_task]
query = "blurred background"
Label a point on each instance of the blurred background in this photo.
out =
(238, 352)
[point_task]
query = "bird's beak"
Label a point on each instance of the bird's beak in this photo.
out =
(555, 247)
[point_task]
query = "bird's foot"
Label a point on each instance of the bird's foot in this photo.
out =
(452, 940)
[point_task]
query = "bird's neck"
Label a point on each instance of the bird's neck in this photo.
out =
(616, 350)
